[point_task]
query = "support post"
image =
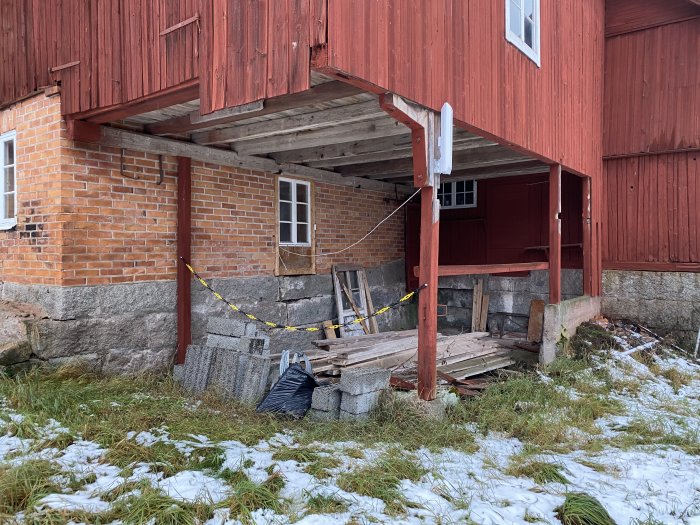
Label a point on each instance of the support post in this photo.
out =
(184, 250)
(424, 125)
(555, 234)
(586, 225)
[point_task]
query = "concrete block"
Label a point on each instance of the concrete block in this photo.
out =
(223, 372)
(326, 398)
(248, 345)
(357, 381)
(198, 366)
(349, 416)
(563, 319)
(230, 327)
(256, 373)
(359, 404)
(320, 415)
(305, 286)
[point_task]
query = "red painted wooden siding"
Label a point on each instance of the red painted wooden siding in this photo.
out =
(652, 214)
(256, 49)
(652, 90)
(511, 218)
(456, 51)
(624, 16)
(122, 55)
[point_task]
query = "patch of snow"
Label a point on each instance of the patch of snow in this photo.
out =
(192, 486)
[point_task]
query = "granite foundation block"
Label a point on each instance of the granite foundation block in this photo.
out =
(231, 327)
(357, 381)
(248, 345)
(255, 375)
(198, 365)
(223, 374)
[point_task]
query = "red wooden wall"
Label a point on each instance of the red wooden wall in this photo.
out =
(456, 51)
(652, 90)
(653, 219)
(624, 16)
(508, 225)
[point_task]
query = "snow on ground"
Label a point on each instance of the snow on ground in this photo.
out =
(638, 483)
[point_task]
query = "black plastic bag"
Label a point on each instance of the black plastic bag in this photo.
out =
(291, 394)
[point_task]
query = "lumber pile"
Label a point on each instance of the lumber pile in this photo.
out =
(460, 356)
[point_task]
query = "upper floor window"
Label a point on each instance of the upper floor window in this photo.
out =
(8, 186)
(523, 26)
(457, 194)
(294, 212)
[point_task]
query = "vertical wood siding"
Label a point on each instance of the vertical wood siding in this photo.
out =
(122, 55)
(624, 16)
(652, 211)
(652, 90)
(255, 49)
(456, 51)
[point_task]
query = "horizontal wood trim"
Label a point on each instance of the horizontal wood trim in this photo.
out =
(481, 269)
(651, 266)
(64, 66)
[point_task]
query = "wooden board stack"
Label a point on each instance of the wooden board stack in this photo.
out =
(460, 356)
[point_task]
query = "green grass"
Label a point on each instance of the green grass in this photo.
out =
(320, 467)
(23, 485)
(298, 454)
(152, 504)
(590, 338)
(598, 467)
(249, 496)
(643, 432)
(677, 378)
(325, 504)
(582, 509)
(381, 478)
(540, 471)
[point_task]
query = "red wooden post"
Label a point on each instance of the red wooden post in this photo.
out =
(586, 224)
(184, 250)
(427, 300)
(555, 234)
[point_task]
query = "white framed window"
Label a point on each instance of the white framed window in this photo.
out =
(457, 194)
(523, 27)
(294, 205)
(8, 182)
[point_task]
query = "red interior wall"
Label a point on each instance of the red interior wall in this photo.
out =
(509, 220)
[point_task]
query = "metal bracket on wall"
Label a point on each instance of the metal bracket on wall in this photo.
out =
(122, 166)
(161, 173)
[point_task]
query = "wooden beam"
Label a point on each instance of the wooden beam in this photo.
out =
(82, 131)
(317, 119)
(315, 95)
(483, 269)
(346, 149)
(480, 174)
(374, 129)
(134, 141)
(400, 153)
(185, 92)
(586, 228)
(184, 250)
(555, 234)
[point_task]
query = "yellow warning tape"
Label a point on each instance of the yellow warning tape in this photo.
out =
(309, 326)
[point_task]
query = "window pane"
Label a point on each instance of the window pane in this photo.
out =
(285, 190)
(448, 200)
(285, 211)
(460, 199)
(9, 180)
(469, 198)
(515, 22)
(302, 193)
(302, 233)
(302, 213)
(529, 30)
(460, 186)
(9, 152)
(469, 185)
(285, 232)
(9, 206)
(530, 9)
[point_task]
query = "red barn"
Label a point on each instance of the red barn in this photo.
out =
(260, 140)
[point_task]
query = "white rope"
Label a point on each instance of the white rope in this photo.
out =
(363, 238)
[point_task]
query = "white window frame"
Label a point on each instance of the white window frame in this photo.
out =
(533, 53)
(454, 194)
(7, 223)
(295, 183)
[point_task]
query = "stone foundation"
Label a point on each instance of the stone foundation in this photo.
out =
(132, 328)
(666, 302)
(506, 294)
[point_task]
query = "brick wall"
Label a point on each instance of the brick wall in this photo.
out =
(30, 253)
(99, 224)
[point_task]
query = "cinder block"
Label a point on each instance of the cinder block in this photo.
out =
(326, 398)
(348, 416)
(359, 404)
(198, 365)
(320, 415)
(227, 327)
(358, 381)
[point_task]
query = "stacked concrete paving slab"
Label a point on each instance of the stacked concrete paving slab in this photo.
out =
(353, 397)
(235, 362)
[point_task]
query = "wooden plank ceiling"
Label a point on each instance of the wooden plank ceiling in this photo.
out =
(332, 127)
